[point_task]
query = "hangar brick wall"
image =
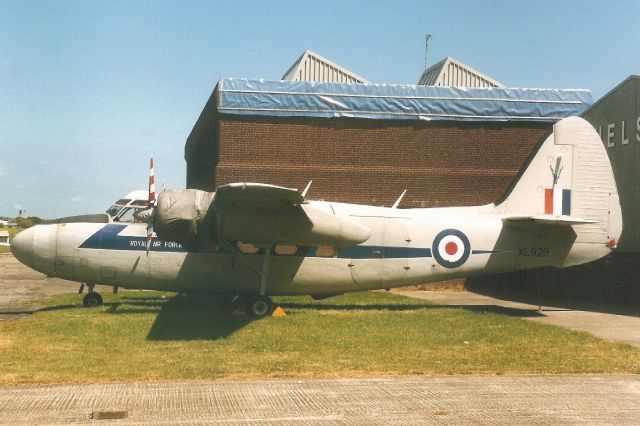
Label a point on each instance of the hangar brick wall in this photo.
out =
(373, 161)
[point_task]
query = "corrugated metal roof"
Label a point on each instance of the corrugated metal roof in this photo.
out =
(610, 92)
(392, 102)
(312, 67)
(452, 73)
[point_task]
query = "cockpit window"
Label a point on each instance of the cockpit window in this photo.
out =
(129, 215)
(140, 203)
(113, 210)
(123, 201)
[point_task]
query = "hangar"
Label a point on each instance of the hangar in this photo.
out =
(365, 143)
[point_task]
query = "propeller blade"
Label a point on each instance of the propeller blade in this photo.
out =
(151, 203)
(152, 185)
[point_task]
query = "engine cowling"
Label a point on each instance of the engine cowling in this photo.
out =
(184, 217)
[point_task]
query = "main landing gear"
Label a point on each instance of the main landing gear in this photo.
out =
(92, 299)
(260, 306)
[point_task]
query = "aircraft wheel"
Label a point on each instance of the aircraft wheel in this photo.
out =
(260, 307)
(92, 300)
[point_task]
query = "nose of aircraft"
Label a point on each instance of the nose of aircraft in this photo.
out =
(22, 246)
(36, 248)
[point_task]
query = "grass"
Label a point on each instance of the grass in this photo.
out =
(158, 336)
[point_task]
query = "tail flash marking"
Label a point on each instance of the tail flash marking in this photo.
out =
(566, 202)
(548, 201)
(557, 201)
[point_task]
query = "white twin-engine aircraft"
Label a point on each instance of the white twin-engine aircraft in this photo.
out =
(257, 240)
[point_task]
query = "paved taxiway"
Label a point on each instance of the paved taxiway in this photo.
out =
(358, 401)
(22, 287)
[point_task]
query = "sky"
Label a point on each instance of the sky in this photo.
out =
(90, 89)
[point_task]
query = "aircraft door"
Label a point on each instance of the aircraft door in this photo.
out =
(366, 259)
(396, 252)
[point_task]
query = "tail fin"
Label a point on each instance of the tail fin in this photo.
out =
(569, 179)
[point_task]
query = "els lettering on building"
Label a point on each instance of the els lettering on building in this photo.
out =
(609, 139)
(616, 117)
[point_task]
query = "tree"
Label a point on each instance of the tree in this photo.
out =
(35, 219)
(24, 222)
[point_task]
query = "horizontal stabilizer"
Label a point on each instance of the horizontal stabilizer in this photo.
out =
(548, 219)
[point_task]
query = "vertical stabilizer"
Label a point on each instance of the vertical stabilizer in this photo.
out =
(570, 175)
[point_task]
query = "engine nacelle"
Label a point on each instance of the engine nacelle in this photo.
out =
(256, 214)
(183, 216)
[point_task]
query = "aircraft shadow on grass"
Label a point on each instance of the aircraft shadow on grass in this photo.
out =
(203, 317)
(197, 317)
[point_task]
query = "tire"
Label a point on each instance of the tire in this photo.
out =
(92, 300)
(260, 307)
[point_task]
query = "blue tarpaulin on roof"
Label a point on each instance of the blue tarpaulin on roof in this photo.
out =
(405, 102)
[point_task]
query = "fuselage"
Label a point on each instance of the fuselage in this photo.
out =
(406, 246)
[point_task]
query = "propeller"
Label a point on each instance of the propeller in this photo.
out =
(151, 204)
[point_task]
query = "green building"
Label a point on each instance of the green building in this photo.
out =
(616, 116)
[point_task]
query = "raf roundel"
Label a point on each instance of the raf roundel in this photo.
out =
(451, 248)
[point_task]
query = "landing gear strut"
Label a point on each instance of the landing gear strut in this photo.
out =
(92, 299)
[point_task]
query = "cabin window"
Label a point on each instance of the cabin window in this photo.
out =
(286, 249)
(246, 248)
(325, 251)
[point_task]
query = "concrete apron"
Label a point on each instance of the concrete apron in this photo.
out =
(408, 400)
(617, 328)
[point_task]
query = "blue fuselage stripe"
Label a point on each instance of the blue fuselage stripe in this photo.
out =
(107, 238)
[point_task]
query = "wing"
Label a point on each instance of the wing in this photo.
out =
(268, 214)
(256, 197)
